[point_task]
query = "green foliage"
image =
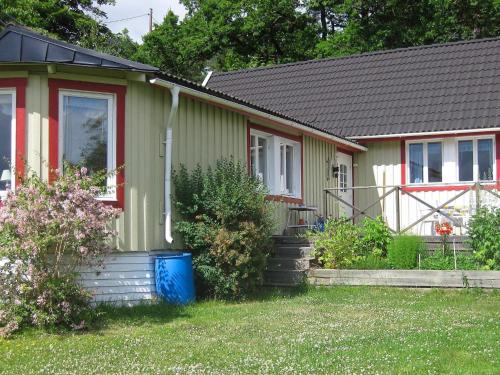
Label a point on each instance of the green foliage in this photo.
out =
(403, 251)
(75, 21)
(370, 262)
(337, 246)
(375, 237)
(484, 234)
(438, 261)
(227, 223)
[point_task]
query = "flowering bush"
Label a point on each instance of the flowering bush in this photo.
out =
(484, 235)
(46, 232)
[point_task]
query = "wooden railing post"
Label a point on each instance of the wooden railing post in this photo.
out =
(398, 210)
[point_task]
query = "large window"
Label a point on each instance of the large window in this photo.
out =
(276, 161)
(87, 133)
(7, 140)
(451, 160)
(425, 162)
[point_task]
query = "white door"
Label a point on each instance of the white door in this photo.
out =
(344, 182)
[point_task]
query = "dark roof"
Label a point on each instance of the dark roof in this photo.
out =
(19, 44)
(454, 86)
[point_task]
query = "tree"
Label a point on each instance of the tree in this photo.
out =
(74, 21)
(227, 35)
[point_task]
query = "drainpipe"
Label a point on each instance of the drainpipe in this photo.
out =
(168, 161)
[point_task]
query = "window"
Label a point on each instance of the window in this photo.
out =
(276, 161)
(485, 159)
(434, 162)
(416, 163)
(426, 162)
(87, 133)
(7, 140)
(465, 161)
(342, 177)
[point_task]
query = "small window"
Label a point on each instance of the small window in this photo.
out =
(88, 133)
(275, 160)
(465, 161)
(7, 141)
(258, 157)
(416, 163)
(343, 178)
(434, 162)
(286, 169)
(485, 159)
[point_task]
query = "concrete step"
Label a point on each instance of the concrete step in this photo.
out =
(284, 278)
(286, 240)
(288, 264)
(294, 252)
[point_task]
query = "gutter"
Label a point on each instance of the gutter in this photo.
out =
(174, 90)
(423, 134)
(256, 112)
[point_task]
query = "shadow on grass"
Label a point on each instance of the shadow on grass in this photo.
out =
(272, 293)
(143, 314)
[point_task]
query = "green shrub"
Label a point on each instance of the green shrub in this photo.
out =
(337, 245)
(484, 234)
(375, 237)
(227, 223)
(370, 262)
(438, 261)
(403, 251)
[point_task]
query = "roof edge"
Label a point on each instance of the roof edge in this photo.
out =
(233, 102)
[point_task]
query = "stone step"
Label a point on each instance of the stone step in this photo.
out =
(288, 264)
(283, 240)
(284, 278)
(295, 252)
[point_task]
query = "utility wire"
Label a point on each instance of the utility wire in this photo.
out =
(126, 19)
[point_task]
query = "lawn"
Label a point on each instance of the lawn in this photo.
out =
(316, 331)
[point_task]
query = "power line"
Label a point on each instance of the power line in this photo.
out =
(126, 19)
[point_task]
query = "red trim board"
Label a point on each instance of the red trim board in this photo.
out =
(296, 138)
(119, 91)
(19, 84)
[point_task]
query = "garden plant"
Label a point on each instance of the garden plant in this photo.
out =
(227, 223)
(48, 231)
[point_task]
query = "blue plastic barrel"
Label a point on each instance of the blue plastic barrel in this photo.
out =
(174, 278)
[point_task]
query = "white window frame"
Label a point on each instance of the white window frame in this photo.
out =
(273, 169)
(12, 92)
(475, 163)
(425, 176)
(111, 152)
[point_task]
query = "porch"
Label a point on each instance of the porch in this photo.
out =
(413, 209)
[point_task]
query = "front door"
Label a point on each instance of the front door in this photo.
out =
(344, 179)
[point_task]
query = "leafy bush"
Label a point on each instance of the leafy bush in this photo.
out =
(403, 251)
(370, 262)
(484, 234)
(227, 223)
(46, 232)
(337, 246)
(375, 237)
(438, 261)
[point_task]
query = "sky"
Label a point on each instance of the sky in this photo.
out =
(137, 27)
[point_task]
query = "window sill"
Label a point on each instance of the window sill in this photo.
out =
(285, 199)
(447, 187)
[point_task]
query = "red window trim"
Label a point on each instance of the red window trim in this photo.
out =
(295, 138)
(445, 187)
(18, 84)
(55, 85)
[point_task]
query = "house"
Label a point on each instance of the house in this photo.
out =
(423, 119)
(149, 122)
(429, 117)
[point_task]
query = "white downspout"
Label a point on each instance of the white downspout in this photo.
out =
(168, 162)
